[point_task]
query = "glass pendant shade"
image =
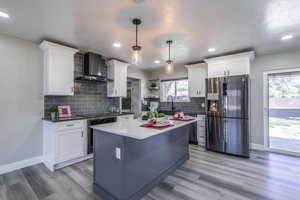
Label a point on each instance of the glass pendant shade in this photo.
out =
(169, 68)
(136, 51)
(136, 55)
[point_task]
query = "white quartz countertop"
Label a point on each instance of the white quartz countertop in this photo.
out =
(131, 128)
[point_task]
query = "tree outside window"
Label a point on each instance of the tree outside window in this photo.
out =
(178, 89)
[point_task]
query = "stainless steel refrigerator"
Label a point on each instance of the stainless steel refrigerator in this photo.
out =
(227, 115)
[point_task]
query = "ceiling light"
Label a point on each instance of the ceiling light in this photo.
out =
(117, 45)
(156, 61)
(136, 57)
(287, 37)
(211, 50)
(169, 68)
(4, 15)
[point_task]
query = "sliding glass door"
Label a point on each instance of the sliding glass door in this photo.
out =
(284, 111)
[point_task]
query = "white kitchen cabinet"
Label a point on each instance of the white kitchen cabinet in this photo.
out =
(63, 143)
(58, 69)
(117, 79)
(232, 65)
(197, 73)
(69, 145)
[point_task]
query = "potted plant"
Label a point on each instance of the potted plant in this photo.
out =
(53, 110)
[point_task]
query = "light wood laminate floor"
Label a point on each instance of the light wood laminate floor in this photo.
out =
(207, 175)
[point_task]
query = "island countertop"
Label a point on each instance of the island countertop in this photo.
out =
(131, 128)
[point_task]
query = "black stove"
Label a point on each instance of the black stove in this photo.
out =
(96, 119)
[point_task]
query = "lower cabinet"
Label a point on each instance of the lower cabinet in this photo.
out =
(201, 129)
(69, 145)
(63, 143)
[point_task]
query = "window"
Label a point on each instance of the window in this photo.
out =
(178, 89)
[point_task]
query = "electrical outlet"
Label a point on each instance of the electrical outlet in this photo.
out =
(118, 153)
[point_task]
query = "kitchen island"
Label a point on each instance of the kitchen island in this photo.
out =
(129, 160)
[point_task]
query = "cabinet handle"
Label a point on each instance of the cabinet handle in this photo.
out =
(228, 73)
(69, 125)
(81, 133)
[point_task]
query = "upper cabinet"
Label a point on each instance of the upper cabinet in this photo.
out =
(58, 69)
(197, 73)
(232, 65)
(117, 79)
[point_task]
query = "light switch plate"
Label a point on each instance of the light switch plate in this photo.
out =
(118, 153)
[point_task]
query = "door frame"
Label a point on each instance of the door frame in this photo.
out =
(266, 110)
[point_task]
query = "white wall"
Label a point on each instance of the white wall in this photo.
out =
(260, 65)
(180, 71)
(21, 100)
(143, 76)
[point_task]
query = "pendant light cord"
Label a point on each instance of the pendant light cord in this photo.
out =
(169, 50)
(136, 35)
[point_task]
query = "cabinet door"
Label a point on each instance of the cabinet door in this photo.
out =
(70, 145)
(62, 73)
(238, 67)
(202, 81)
(197, 76)
(121, 84)
(193, 82)
(118, 72)
(216, 70)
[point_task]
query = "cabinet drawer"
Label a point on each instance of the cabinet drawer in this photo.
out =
(69, 125)
(202, 122)
(201, 117)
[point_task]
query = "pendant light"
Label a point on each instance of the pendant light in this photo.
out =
(169, 68)
(136, 54)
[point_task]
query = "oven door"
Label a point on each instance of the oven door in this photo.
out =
(90, 142)
(92, 122)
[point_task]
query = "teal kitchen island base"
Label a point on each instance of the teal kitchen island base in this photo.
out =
(126, 168)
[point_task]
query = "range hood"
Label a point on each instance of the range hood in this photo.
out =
(93, 68)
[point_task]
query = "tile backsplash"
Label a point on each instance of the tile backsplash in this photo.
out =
(89, 97)
(193, 106)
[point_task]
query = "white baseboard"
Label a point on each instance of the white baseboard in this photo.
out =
(259, 147)
(20, 164)
(71, 162)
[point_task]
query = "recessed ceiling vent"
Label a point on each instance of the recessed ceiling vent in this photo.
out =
(138, 1)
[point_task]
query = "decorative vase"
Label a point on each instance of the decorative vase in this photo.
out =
(53, 115)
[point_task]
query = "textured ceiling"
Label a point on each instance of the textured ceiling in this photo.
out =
(194, 25)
